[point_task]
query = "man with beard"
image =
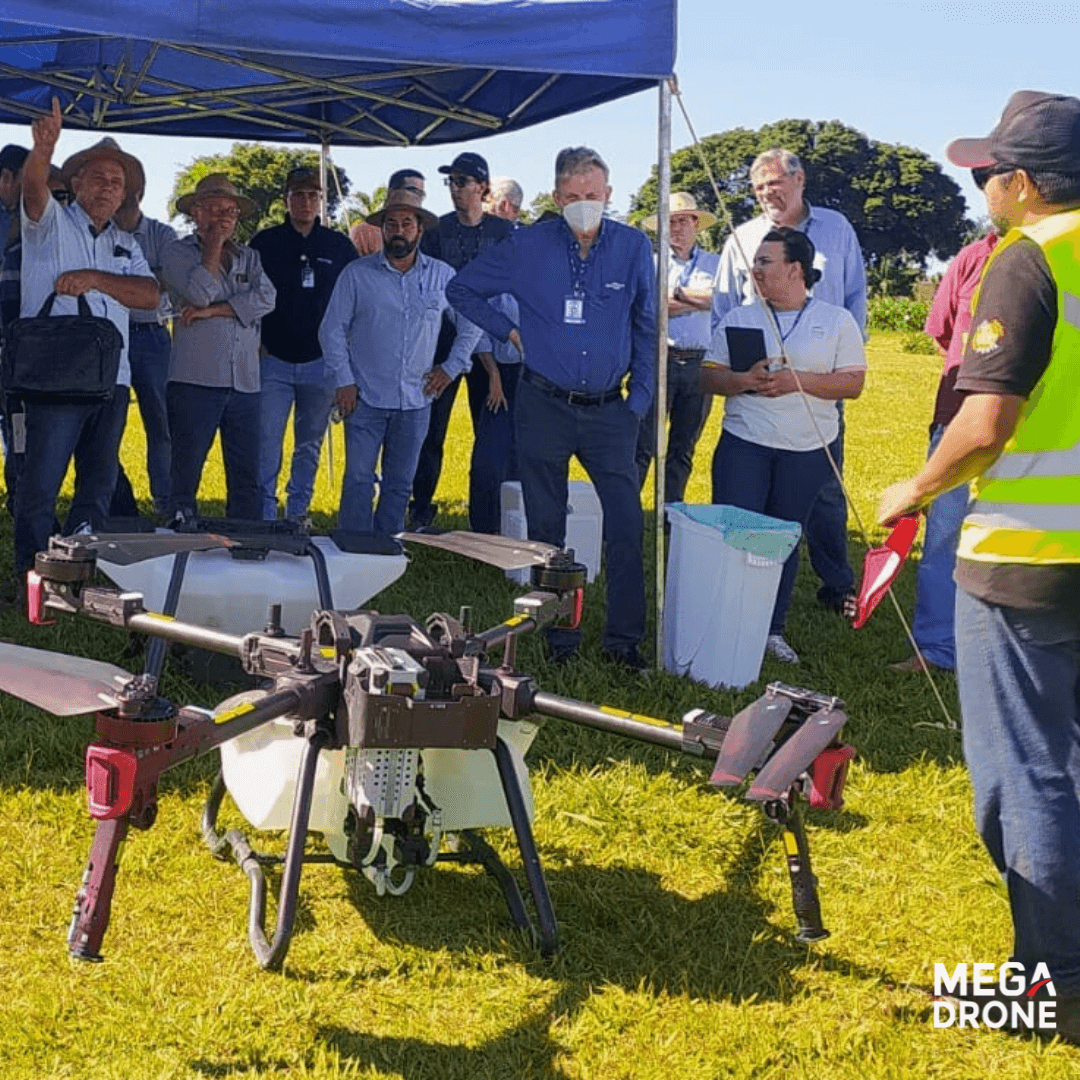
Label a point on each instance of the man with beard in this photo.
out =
(378, 338)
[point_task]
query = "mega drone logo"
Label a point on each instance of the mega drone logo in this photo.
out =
(983, 998)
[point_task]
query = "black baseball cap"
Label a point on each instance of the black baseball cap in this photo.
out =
(468, 164)
(1037, 131)
(12, 157)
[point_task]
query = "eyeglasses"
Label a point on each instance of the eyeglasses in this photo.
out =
(460, 181)
(229, 212)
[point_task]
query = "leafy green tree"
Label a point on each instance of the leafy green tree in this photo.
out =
(259, 172)
(902, 206)
(360, 204)
(541, 205)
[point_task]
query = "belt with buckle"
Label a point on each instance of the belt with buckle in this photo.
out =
(686, 356)
(571, 397)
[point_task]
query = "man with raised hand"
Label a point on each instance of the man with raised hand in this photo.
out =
(586, 290)
(1017, 436)
(303, 259)
(457, 238)
(378, 337)
(691, 283)
(779, 181)
(76, 250)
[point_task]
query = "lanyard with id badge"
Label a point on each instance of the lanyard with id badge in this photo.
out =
(574, 302)
(307, 273)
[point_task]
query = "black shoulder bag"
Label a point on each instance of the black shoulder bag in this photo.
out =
(63, 356)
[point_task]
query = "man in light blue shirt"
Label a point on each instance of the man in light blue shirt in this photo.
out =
(778, 180)
(691, 284)
(378, 339)
(76, 250)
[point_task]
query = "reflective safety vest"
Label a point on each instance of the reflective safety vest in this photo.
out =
(1026, 506)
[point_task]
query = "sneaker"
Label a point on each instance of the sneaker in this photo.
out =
(629, 658)
(775, 645)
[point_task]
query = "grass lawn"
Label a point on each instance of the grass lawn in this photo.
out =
(678, 954)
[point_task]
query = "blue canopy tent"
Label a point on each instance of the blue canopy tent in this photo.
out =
(348, 72)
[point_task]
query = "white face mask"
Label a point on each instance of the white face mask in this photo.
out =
(583, 216)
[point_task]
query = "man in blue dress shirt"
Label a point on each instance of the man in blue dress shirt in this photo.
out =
(586, 293)
(378, 338)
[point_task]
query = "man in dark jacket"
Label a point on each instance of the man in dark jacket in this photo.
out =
(303, 259)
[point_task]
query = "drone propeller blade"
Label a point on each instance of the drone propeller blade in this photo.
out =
(796, 755)
(60, 684)
(752, 730)
(123, 549)
(505, 552)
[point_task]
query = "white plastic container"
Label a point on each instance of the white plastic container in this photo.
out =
(234, 595)
(584, 524)
(723, 572)
(261, 768)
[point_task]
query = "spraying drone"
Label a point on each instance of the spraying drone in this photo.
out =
(397, 741)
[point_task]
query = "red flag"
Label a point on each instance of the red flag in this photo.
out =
(882, 565)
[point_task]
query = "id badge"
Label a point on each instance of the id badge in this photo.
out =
(574, 310)
(307, 277)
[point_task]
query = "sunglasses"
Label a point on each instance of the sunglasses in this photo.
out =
(981, 175)
(62, 196)
(460, 181)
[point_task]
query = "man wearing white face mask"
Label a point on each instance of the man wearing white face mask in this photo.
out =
(586, 291)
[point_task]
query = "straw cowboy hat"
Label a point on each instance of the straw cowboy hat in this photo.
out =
(216, 186)
(682, 202)
(135, 178)
(399, 197)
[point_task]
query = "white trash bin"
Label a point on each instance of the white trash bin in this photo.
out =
(584, 524)
(723, 572)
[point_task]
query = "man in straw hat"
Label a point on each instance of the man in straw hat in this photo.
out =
(222, 294)
(1017, 436)
(76, 250)
(691, 284)
(378, 337)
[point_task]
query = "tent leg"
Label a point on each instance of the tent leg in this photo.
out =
(663, 195)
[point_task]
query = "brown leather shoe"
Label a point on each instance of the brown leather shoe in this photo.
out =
(913, 663)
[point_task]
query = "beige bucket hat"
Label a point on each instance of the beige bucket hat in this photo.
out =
(682, 202)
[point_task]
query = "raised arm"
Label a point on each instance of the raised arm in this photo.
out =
(35, 171)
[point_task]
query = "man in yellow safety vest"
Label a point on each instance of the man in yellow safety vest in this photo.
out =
(1017, 436)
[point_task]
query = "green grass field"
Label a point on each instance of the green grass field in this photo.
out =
(678, 954)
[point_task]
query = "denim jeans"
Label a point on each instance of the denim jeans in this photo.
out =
(149, 356)
(308, 390)
(494, 456)
(1019, 678)
(12, 422)
(780, 483)
(826, 530)
(399, 434)
(935, 596)
(548, 432)
(55, 431)
(195, 415)
(688, 409)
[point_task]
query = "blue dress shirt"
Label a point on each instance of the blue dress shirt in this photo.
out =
(540, 267)
(837, 255)
(381, 327)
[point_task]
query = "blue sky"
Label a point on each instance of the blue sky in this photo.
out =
(915, 73)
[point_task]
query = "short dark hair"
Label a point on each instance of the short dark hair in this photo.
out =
(13, 157)
(798, 248)
(397, 180)
(1055, 188)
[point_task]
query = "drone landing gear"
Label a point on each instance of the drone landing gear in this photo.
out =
(270, 954)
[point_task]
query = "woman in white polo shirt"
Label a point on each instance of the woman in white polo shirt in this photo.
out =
(770, 456)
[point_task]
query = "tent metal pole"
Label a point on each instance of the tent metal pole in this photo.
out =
(324, 198)
(663, 241)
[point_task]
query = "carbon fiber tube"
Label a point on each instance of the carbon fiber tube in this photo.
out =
(644, 729)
